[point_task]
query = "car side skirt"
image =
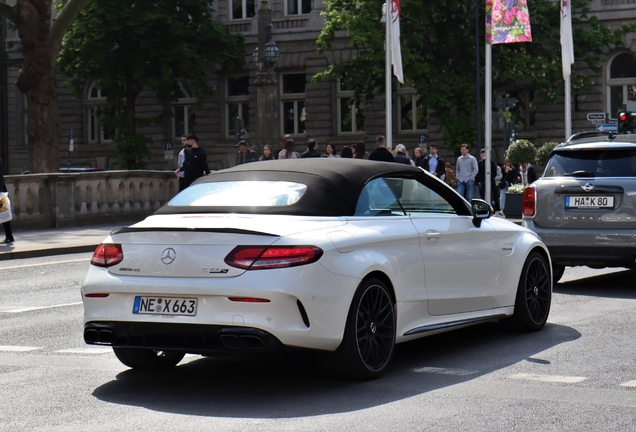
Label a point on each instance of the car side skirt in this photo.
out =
(452, 325)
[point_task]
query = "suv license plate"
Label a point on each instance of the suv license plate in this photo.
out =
(589, 202)
(165, 305)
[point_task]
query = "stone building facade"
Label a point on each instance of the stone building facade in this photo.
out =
(305, 110)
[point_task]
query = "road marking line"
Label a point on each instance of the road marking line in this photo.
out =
(85, 351)
(549, 378)
(17, 348)
(29, 309)
(631, 383)
(444, 371)
(44, 264)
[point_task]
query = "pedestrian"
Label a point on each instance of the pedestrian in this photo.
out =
(267, 153)
(418, 154)
(510, 177)
(466, 171)
(449, 176)
(283, 140)
(8, 233)
(245, 155)
(381, 153)
(480, 179)
(311, 151)
(288, 152)
(347, 152)
(195, 164)
(181, 158)
(360, 151)
(528, 174)
(433, 163)
(330, 151)
(401, 155)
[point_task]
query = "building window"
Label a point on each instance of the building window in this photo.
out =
(183, 116)
(350, 114)
(237, 101)
(621, 83)
(297, 7)
(243, 9)
(412, 113)
(95, 100)
(292, 96)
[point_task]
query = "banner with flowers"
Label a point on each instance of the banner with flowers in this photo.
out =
(507, 21)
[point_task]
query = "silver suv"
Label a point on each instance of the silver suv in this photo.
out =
(584, 205)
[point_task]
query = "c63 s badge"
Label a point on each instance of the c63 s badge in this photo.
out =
(215, 270)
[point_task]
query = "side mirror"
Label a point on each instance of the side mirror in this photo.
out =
(481, 210)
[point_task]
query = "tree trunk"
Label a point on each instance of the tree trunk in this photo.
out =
(36, 80)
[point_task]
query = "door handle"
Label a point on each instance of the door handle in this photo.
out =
(432, 235)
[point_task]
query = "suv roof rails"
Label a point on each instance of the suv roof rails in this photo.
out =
(581, 135)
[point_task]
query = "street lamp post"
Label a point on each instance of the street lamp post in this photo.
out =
(265, 56)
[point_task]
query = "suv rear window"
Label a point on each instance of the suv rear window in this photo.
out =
(592, 163)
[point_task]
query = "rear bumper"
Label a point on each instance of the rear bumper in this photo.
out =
(190, 338)
(593, 248)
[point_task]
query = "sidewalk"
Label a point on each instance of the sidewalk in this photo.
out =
(54, 241)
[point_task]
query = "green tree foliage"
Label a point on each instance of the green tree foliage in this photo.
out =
(438, 54)
(543, 154)
(40, 40)
(521, 151)
(164, 46)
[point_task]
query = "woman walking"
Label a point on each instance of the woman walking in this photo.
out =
(8, 233)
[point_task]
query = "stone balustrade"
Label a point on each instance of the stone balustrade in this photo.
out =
(63, 200)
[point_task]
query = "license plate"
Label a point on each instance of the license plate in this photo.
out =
(164, 305)
(589, 202)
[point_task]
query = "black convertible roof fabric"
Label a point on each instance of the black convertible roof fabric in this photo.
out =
(333, 185)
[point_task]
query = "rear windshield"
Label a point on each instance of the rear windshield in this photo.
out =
(592, 163)
(240, 193)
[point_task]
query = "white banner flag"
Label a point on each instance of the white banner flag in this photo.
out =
(567, 45)
(396, 52)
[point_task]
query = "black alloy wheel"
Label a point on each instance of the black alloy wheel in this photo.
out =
(375, 327)
(368, 343)
(534, 294)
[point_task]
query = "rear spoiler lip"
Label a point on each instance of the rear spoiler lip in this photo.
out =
(126, 230)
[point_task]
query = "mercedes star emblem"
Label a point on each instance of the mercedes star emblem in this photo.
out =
(168, 256)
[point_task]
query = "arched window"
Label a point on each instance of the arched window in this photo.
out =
(95, 99)
(621, 83)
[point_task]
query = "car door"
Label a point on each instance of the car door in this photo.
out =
(462, 263)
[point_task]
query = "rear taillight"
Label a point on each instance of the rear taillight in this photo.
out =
(529, 202)
(264, 257)
(107, 255)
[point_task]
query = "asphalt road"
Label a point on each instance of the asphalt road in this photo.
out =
(576, 375)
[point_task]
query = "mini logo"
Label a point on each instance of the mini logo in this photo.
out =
(587, 187)
(168, 256)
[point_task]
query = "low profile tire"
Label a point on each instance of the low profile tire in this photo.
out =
(147, 359)
(534, 294)
(369, 338)
(557, 273)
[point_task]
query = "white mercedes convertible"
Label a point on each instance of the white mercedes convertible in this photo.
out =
(342, 256)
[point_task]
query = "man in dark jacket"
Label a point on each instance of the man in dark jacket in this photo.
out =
(311, 151)
(381, 153)
(195, 164)
(480, 179)
(433, 163)
(7, 225)
(245, 155)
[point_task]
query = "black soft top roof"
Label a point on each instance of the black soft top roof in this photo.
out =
(333, 185)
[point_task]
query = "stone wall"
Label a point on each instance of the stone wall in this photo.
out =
(63, 200)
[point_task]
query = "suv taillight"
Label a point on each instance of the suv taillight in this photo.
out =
(107, 255)
(529, 202)
(271, 257)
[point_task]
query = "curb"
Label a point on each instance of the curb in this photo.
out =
(38, 253)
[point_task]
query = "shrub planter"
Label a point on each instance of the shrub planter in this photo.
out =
(513, 205)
